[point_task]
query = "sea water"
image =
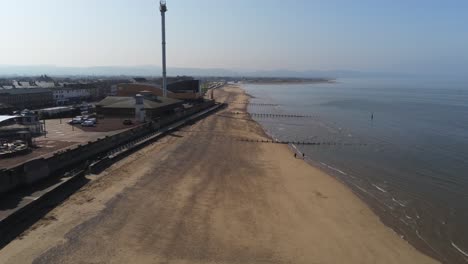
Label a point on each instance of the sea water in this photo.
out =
(399, 144)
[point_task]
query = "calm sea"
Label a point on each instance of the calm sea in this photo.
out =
(409, 162)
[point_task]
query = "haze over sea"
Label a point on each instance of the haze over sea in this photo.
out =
(410, 162)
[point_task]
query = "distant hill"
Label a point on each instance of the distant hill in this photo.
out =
(9, 70)
(151, 70)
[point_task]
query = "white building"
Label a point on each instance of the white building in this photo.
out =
(44, 84)
(63, 96)
(113, 90)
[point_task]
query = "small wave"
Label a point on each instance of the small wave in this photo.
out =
(459, 249)
(399, 202)
(427, 243)
(379, 188)
(389, 207)
(360, 188)
(295, 148)
(333, 168)
(404, 222)
(342, 172)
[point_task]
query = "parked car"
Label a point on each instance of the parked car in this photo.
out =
(127, 122)
(88, 123)
(92, 119)
(75, 121)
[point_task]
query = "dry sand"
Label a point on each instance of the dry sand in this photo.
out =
(201, 196)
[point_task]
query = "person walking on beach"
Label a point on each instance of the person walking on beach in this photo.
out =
(295, 155)
(303, 155)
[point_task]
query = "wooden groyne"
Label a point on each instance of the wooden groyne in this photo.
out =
(314, 143)
(275, 115)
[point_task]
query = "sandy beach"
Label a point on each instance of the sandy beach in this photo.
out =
(200, 195)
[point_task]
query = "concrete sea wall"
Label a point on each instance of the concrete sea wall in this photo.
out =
(38, 169)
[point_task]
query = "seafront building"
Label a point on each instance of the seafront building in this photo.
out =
(21, 126)
(187, 89)
(42, 92)
(141, 107)
(5, 109)
(27, 98)
(69, 95)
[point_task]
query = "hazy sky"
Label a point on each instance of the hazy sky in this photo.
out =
(371, 35)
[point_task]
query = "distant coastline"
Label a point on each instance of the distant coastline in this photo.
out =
(287, 80)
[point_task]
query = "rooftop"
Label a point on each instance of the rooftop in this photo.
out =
(45, 84)
(129, 102)
(6, 117)
(23, 91)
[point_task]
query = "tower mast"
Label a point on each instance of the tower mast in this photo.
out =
(163, 9)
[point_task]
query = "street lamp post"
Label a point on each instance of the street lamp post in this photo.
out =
(163, 9)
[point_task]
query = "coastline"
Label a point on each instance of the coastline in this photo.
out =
(202, 196)
(332, 173)
(291, 82)
(416, 236)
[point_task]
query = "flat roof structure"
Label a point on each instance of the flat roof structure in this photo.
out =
(129, 102)
(151, 106)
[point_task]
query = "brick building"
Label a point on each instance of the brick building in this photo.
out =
(5, 109)
(30, 98)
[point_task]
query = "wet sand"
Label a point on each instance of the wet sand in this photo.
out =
(201, 196)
